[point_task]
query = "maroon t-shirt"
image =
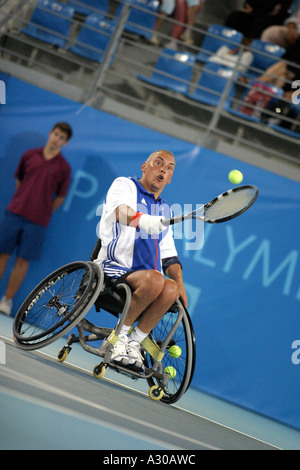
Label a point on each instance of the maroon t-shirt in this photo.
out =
(41, 181)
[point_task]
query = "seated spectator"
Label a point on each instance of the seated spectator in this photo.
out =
(261, 100)
(278, 74)
(281, 75)
(229, 57)
(257, 15)
(285, 35)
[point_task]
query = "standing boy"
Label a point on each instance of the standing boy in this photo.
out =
(43, 177)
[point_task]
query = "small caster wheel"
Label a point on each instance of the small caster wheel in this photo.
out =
(63, 353)
(99, 371)
(155, 392)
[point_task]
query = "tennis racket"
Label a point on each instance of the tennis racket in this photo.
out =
(224, 207)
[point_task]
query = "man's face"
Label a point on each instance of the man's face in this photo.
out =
(158, 171)
(57, 139)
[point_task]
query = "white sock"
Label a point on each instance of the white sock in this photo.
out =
(137, 335)
(124, 330)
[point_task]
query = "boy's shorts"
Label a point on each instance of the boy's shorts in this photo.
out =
(168, 6)
(21, 234)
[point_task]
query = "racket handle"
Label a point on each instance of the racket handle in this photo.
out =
(167, 222)
(172, 220)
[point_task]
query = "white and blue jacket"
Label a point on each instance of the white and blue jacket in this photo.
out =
(126, 248)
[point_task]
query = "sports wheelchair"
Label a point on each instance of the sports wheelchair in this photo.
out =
(61, 301)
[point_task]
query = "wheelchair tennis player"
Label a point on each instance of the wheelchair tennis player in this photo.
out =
(137, 248)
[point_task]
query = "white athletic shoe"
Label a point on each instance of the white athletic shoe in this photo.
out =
(6, 306)
(134, 354)
(119, 352)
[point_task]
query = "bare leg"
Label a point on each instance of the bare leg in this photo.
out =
(190, 21)
(153, 295)
(275, 75)
(191, 15)
(17, 277)
(3, 262)
(160, 21)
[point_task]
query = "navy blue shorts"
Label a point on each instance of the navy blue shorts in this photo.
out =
(21, 234)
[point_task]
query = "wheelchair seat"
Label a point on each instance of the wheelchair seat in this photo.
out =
(110, 299)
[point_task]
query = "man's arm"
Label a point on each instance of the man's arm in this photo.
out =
(152, 224)
(124, 214)
(57, 202)
(174, 271)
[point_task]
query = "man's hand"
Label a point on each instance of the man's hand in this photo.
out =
(152, 224)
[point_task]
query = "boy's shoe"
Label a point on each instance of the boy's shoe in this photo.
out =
(134, 355)
(171, 45)
(186, 36)
(6, 306)
(154, 40)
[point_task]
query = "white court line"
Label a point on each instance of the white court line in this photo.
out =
(90, 419)
(49, 388)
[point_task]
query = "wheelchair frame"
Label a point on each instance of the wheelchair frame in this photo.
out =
(40, 322)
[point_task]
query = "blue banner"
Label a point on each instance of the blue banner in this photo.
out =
(243, 284)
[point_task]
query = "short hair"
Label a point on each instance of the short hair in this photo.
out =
(158, 151)
(64, 127)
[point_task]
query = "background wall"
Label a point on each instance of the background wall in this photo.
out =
(243, 285)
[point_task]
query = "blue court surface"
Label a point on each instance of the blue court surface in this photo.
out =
(38, 412)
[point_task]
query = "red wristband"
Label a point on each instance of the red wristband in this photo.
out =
(135, 219)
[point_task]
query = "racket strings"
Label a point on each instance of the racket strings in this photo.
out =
(229, 204)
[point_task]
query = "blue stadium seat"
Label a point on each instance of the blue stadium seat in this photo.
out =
(173, 70)
(88, 7)
(212, 81)
(211, 44)
(141, 22)
(285, 131)
(260, 61)
(50, 22)
(94, 37)
(277, 93)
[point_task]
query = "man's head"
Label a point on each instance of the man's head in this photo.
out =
(59, 135)
(158, 171)
(65, 128)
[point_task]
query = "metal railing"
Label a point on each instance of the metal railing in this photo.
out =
(114, 79)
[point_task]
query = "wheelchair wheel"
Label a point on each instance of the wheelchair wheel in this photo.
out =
(57, 304)
(183, 362)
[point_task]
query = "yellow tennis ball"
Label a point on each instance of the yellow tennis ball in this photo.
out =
(235, 176)
(171, 371)
(175, 351)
